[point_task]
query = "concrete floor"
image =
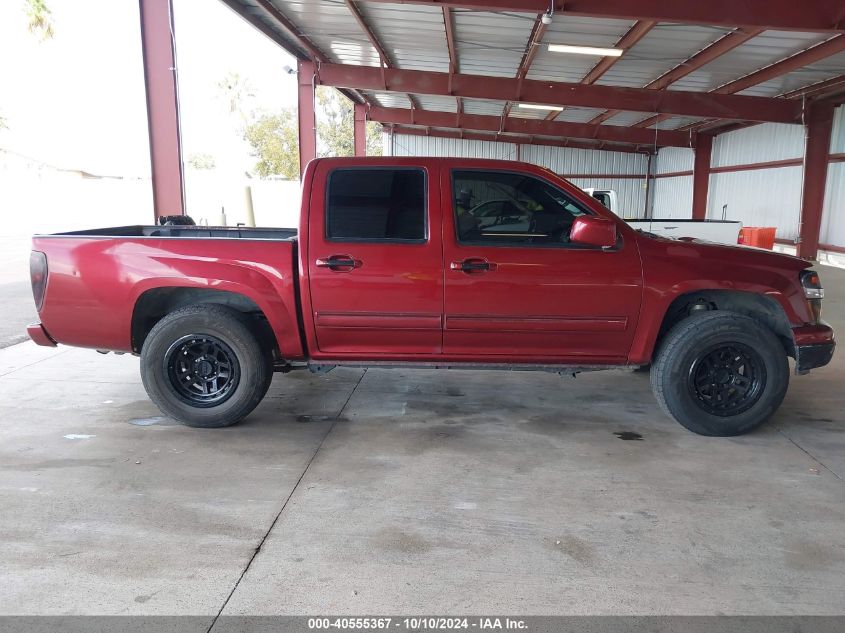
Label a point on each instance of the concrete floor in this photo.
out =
(414, 492)
(17, 309)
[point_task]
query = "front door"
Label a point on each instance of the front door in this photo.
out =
(375, 261)
(517, 288)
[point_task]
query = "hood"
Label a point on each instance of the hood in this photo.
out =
(733, 253)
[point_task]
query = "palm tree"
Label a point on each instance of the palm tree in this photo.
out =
(236, 91)
(40, 19)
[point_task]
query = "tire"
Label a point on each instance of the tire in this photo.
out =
(232, 369)
(720, 373)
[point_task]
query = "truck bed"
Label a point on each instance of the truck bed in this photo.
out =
(98, 277)
(138, 230)
(719, 231)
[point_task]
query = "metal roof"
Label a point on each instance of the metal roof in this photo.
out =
(413, 36)
(580, 32)
(759, 52)
(665, 46)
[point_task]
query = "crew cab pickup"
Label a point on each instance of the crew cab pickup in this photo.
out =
(441, 263)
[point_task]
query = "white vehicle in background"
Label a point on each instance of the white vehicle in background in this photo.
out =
(719, 231)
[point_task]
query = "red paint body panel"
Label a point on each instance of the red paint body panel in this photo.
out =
(595, 231)
(392, 303)
(95, 282)
(39, 335)
(540, 303)
(406, 302)
(813, 334)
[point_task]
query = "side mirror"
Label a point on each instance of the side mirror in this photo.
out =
(593, 231)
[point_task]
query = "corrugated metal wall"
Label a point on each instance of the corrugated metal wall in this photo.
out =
(673, 194)
(759, 197)
(631, 192)
(410, 145)
(833, 218)
(672, 197)
(758, 144)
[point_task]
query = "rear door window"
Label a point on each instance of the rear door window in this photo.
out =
(376, 205)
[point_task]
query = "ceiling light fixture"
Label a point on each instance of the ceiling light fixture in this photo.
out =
(534, 106)
(585, 50)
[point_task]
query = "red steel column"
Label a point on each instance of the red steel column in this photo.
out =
(157, 45)
(360, 130)
(819, 124)
(307, 118)
(701, 176)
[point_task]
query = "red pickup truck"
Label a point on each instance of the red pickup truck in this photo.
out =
(434, 262)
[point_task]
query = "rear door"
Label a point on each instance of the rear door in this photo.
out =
(375, 260)
(517, 288)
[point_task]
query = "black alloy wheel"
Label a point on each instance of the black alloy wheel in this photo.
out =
(728, 379)
(202, 369)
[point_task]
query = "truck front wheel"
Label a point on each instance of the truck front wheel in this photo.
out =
(720, 373)
(204, 366)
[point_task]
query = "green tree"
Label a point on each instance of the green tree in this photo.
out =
(237, 91)
(201, 160)
(335, 123)
(275, 143)
(40, 19)
(275, 137)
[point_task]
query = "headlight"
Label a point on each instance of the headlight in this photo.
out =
(812, 285)
(814, 292)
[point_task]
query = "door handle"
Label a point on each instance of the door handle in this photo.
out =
(339, 262)
(472, 265)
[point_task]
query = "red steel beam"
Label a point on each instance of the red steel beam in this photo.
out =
(307, 118)
(703, 57)
(383, 56)
(359, 130)
(449, 28)
(157, 46)
(708, 54)
(513, 138)
(794, 62)
(819, 127)
(356, 13)
(701, 176)
(291, 31)
(560, 93)
(515, 125)
(450, 40)
(808, 15)
(818, 89)
(290, 39)
(531, 49)
(634, 35)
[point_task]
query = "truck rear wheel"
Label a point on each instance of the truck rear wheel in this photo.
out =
(204, 366)
(720, 373)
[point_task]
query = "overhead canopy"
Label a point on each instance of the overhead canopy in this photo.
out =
(460, 67)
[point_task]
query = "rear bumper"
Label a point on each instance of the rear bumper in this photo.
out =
(814, 346)
(38, 334)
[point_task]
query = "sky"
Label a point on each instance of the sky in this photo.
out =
(77, 100)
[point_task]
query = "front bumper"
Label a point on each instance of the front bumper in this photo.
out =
(814, 346)
(38, 334)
